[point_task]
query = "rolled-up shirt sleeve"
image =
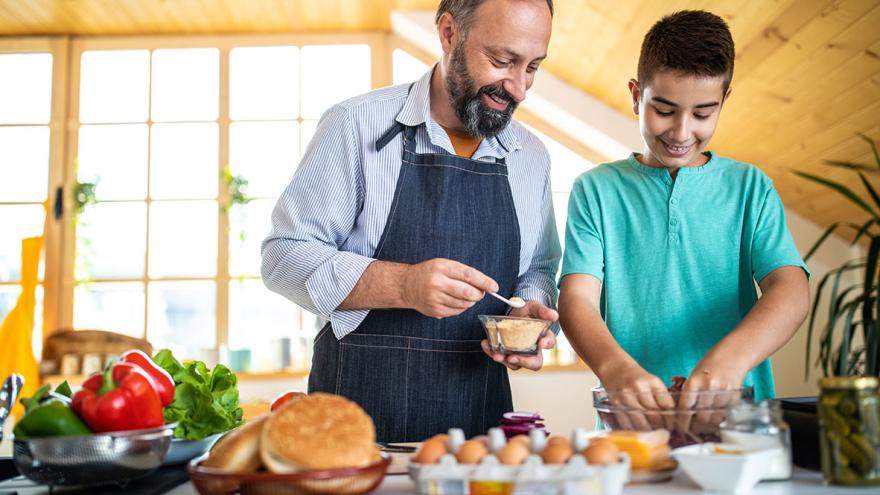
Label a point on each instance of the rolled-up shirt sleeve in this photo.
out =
(301, 257)
(538, 282)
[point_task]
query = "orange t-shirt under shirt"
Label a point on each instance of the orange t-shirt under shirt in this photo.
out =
(463, 143)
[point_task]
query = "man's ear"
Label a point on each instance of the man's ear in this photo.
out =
(636, 94)
(447, 29)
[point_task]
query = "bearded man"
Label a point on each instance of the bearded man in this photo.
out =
(411, 203)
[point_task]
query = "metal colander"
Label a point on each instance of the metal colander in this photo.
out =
(115, 457)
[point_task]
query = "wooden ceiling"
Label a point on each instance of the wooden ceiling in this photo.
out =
(807, 77)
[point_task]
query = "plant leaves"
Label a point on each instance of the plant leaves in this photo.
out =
(873, 148)
(870, 189)
(840, 188)
(849, 265)
(860, 231)
(831, 228)
(853, 166)
(845, 341)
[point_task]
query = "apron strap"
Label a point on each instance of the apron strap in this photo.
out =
(389, 135)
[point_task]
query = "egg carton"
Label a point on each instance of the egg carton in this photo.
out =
(533, 476)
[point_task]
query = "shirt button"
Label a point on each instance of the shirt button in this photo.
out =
(674, 201)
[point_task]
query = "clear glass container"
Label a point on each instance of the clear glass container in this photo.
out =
(849, 430)
(759, 425)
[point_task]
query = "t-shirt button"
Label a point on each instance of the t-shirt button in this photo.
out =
(673, 221)
(674, 201)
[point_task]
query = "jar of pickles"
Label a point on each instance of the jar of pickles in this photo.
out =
(758, 426)
(849, 430)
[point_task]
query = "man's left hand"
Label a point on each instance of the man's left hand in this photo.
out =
(532, 309)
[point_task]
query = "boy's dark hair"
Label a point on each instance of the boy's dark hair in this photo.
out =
(692, 42)
(463, 12)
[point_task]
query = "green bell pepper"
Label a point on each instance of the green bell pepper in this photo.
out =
(49, 415)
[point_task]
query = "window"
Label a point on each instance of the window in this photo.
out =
(25, 118)
(165, 253)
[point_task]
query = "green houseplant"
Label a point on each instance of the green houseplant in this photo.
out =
(849, 404)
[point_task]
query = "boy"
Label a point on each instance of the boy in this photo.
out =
(667, 244)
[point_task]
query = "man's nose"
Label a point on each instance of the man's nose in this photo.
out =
(516, 86)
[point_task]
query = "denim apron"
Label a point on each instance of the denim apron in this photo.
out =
(417, 376)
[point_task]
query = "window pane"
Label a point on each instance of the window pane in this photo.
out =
(186, 84)
(24, 163)
(114, 86)
(183, 239)
(116, 307)
(17, 222)
(264, 82)
(111, 241)
(560, 208)
(181, 316)
(26, 97)
(307, 131)
(116, 157)
(258, 318)
(566, 165)
(264, 153)
(406, 68)
(249, 224)
(184, 160)
(332, 73)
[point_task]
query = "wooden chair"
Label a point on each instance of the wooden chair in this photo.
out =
(81, 347)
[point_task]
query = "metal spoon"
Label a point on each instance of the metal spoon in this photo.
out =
(513, 302)
(8, 394)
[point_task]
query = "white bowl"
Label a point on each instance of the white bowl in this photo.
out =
(715, 470)
(182, 450)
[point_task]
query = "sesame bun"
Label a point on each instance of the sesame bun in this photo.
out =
(318, 431)
(239, 450)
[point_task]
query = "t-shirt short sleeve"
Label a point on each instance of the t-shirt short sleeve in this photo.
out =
(772, 244)
(584, 251)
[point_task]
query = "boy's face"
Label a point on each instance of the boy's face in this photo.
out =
(677, 117)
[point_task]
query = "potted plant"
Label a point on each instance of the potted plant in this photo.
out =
(849, 341)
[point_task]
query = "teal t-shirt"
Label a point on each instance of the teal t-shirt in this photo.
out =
(678, 260)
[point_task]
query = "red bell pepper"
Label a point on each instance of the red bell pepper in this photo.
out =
(121, 398)
(161, 379)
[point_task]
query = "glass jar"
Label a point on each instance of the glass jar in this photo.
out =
(849, 430)
(759, 425)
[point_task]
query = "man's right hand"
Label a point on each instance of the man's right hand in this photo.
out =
(440, 288)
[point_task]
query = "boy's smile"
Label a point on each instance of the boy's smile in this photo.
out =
(677, 117)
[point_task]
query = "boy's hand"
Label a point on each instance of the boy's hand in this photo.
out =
(724, 379)
(635, 389)
(532, 309)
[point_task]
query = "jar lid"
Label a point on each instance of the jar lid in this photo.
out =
(850, 382)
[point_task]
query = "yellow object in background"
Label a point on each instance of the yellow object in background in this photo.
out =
(17, 330)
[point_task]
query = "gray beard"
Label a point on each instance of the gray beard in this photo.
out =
(477, 118)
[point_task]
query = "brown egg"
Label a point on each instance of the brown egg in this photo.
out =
(601, 451)
(431, 451)
(513, 453)
(523, 439)
(471, 452)
(557, 453)
(555, 439)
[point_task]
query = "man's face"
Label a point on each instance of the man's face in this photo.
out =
(491, 69)
(677, 117)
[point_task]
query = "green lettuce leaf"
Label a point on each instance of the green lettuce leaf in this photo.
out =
(205, 400)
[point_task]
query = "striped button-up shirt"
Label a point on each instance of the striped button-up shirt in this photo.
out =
(328, 221)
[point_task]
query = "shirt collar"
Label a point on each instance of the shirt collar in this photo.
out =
(417, 111)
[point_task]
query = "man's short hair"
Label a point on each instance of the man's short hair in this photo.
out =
(691, 42)
(463, 12)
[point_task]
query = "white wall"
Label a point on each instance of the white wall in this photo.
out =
(788, 363)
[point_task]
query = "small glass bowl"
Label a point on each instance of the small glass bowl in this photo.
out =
(514, 335)
(697, 422)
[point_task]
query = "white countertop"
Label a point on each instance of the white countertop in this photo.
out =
(803, 483)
